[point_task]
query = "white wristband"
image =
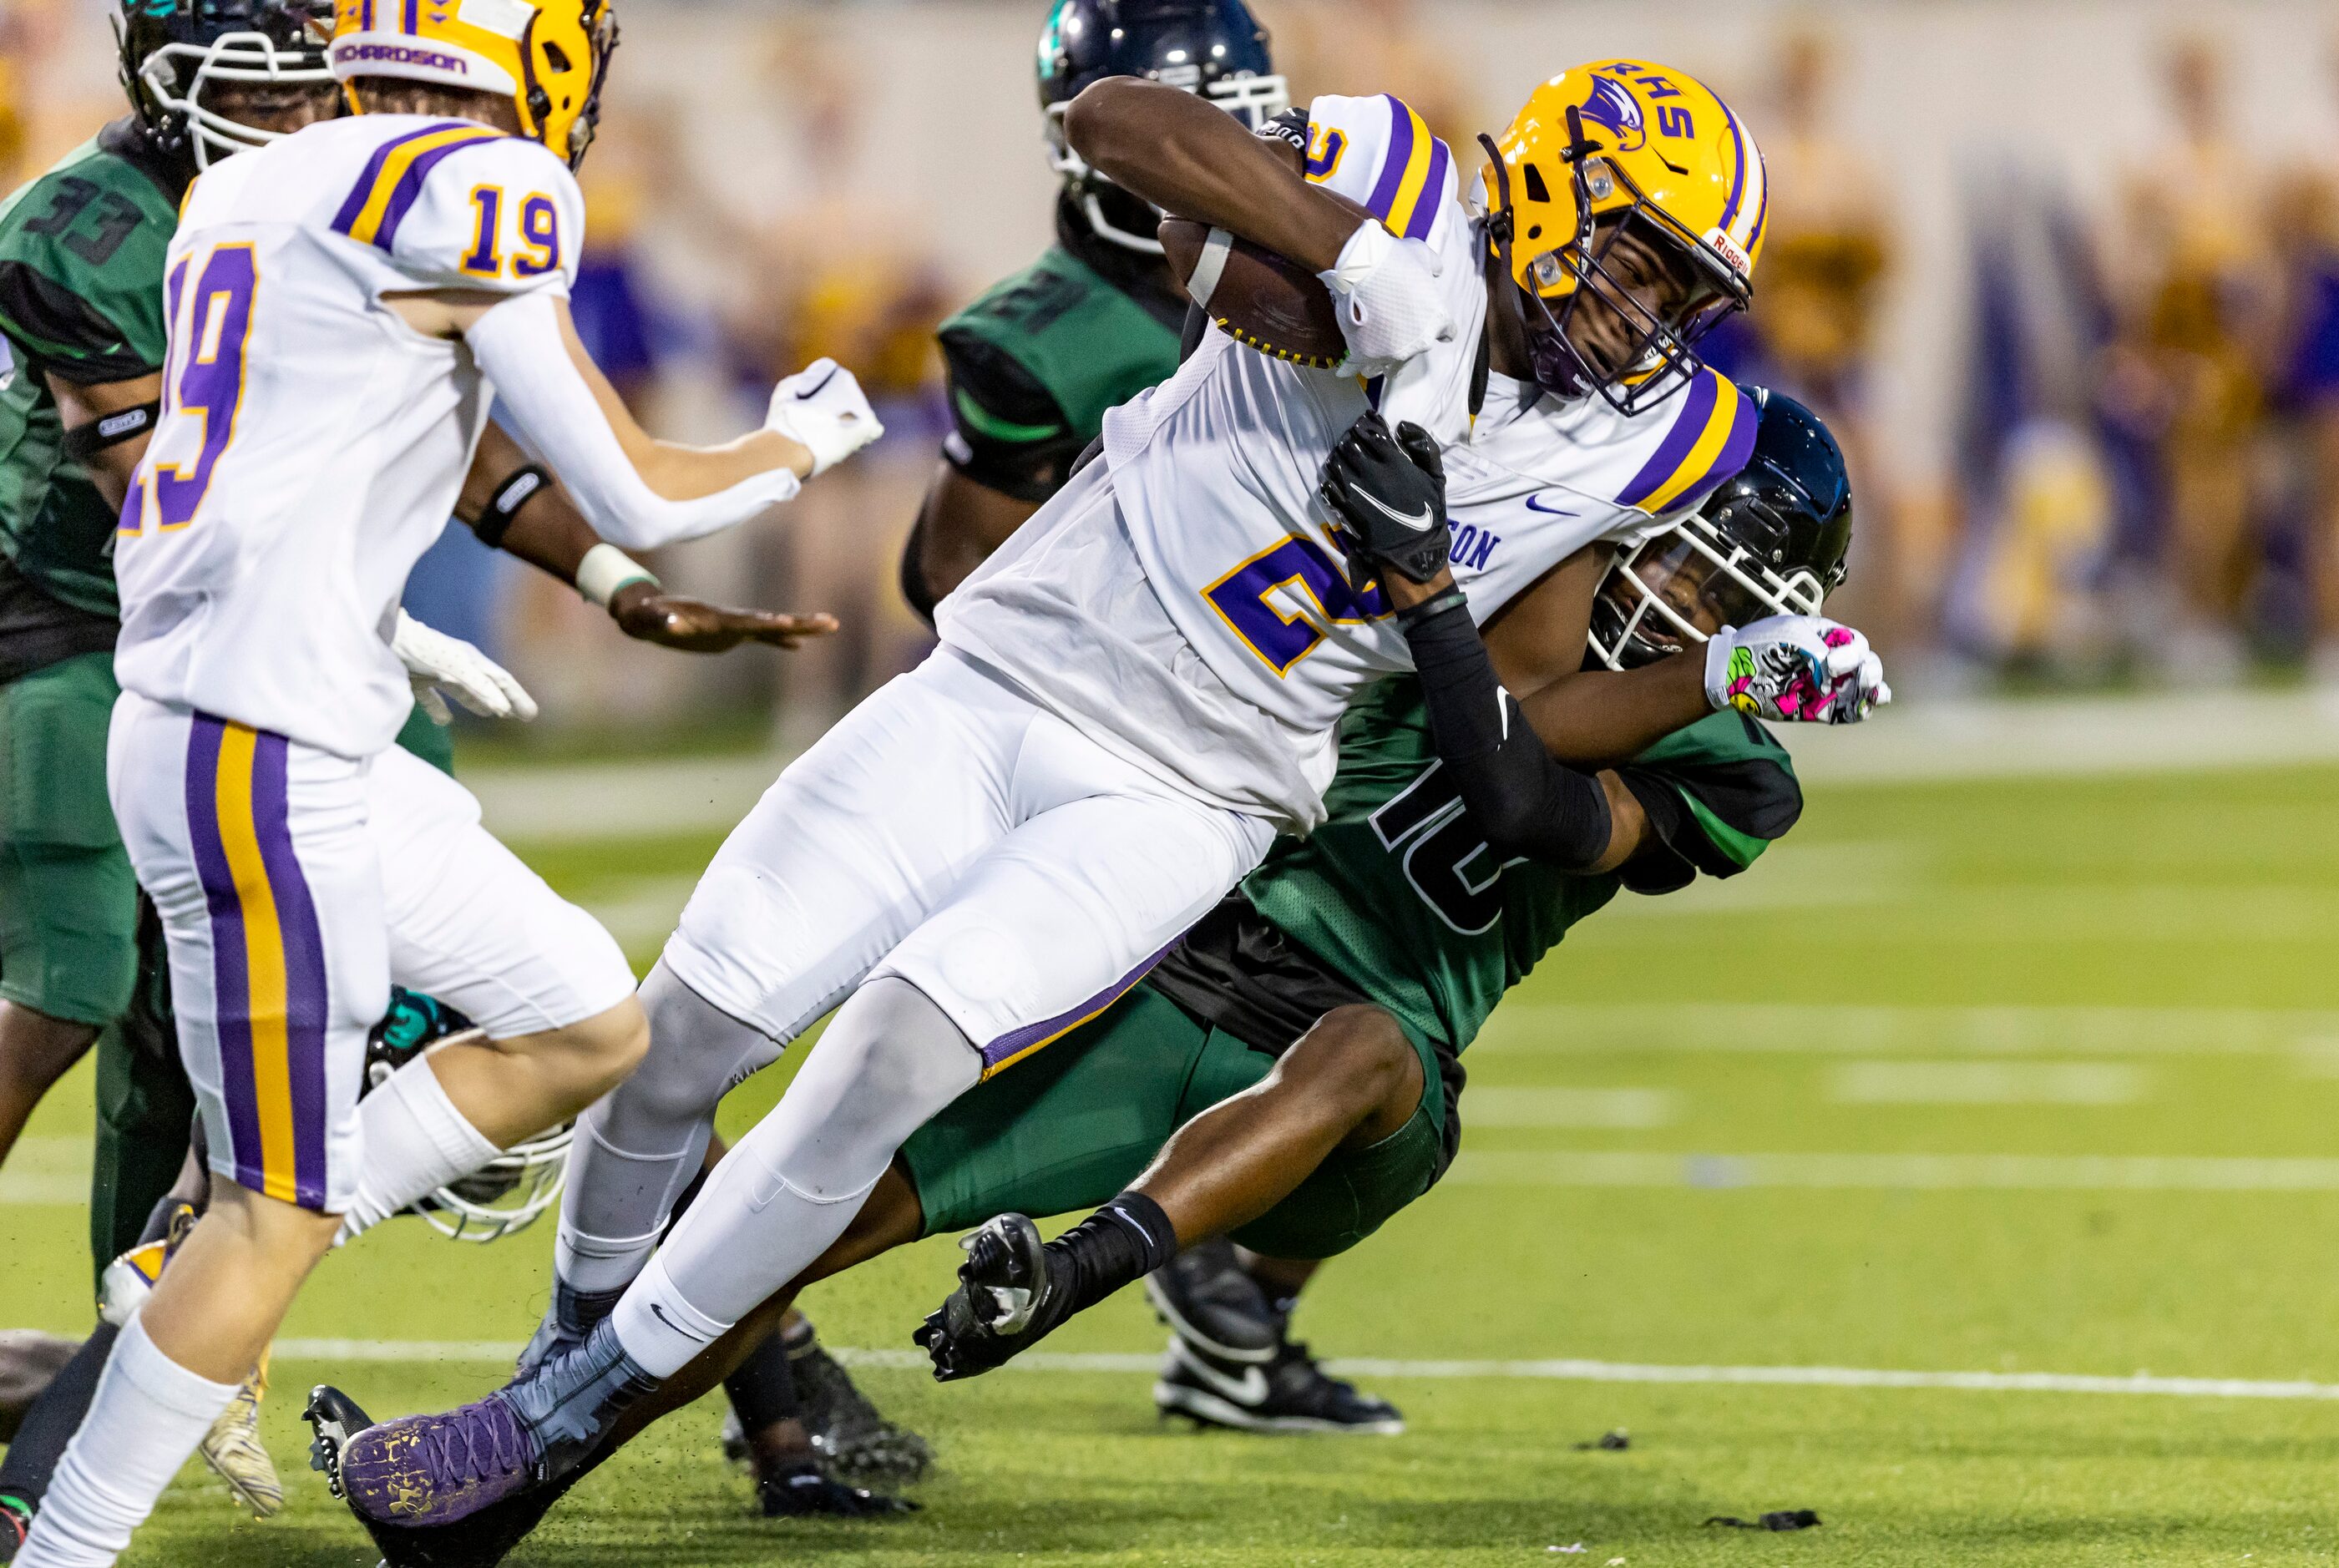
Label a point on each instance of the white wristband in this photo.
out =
(605, 569)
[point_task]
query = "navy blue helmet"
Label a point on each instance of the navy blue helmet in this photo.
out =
(173, 50)
(1770, 541)
(1213, 47)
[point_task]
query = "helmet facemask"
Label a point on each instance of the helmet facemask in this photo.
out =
(1672, 592)
(1253, 100)
(176, 74)
(1659, 356)
(510, 1192)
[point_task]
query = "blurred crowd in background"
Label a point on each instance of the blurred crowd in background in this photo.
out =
(2095, 437)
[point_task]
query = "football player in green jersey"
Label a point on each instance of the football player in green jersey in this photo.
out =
(1036, 361)
(1291, 1075)
(1458, 853)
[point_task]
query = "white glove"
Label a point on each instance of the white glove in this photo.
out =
(438, 663)
(823, 407)
(1392, 305)
(1803, 669)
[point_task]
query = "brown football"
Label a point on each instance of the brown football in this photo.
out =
(1268, 302)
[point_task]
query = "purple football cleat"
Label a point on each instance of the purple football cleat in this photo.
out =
(438, 1469)
(535, 1431)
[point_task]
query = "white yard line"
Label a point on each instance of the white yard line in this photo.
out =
(1916, 740)
(1899, 1172)
(1863, 1030)
(1559, 1371)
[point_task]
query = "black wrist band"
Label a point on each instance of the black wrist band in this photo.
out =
(519, 487)
(1451, 599)
(85, 441)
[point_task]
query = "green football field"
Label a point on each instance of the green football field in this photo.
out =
(2033, 1081)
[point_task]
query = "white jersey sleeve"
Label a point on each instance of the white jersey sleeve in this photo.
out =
(461, 205)
(1377, 152)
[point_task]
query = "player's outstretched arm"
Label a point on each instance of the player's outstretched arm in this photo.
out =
(637, 491)
(516, 505)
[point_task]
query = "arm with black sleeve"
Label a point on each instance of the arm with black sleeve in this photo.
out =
(1520, 797)
(1389, 487)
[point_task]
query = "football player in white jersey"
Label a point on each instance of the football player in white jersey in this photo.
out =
(1141, 688)
(344, 305)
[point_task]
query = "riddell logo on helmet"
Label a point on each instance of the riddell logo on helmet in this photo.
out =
(402, 55)
(1732, 250)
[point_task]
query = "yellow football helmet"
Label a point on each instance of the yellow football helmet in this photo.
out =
(1613, 147)
(549, 56)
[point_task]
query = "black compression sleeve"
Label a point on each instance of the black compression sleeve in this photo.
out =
(1525, 802)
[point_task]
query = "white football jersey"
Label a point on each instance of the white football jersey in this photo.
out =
(1215, 475)
(311, 445)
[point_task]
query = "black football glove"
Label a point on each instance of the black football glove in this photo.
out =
(1390, 492)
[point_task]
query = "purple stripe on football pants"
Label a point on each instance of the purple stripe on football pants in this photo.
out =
(1009, 1046)
(307, 1005)
(231, 975)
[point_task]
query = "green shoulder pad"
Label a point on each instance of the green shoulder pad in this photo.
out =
(82, 252)
(1090, 345)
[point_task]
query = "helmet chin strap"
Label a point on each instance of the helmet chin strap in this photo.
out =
(1500, 228)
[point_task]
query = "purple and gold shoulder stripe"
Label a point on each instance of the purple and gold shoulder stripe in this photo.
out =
(1711, 437)
(394, 176)
(1413, 174)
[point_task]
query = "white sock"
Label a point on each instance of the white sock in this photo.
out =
(149, 1415)
(660, 1330)
(415, 1141)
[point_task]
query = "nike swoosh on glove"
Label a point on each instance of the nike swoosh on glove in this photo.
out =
(1389, 489)
(437, 662)
(1392, 304)
(1797, 669)
(822, 407)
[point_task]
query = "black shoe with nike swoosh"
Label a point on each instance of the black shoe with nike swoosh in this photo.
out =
(1208, 1301)
(1290, 1394)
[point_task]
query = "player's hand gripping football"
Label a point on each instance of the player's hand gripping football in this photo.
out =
(1388, 490)
(1800, 670)
(1392, 304)
(442, 666)
(646, 614)
(822, 408)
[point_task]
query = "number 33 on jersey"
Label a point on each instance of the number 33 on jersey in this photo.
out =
(305, 425)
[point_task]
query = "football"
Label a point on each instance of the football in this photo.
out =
(1268, 302)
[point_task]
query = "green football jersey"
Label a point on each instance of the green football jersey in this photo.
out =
(1399, 896)
(82, 252)
(1036, 361)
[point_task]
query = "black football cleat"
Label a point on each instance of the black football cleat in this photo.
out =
(1292, 1394)
(855, 1442)
(1210, 1302)
(481, 1541)
(802, 1491)
(1005, 1303)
